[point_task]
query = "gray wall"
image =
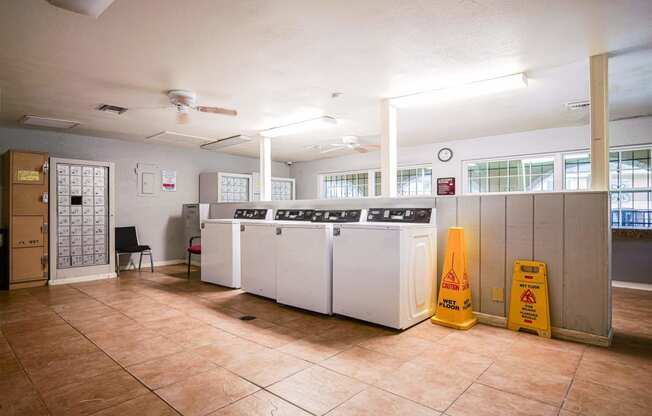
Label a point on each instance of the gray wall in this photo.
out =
(158, 219)
(569, 231)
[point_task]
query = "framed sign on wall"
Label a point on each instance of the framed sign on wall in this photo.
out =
(445, 186)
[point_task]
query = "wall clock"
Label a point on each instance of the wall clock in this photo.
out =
(445, 154)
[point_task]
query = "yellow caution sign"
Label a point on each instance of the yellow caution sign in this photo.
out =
(528, 306)
(454, 302)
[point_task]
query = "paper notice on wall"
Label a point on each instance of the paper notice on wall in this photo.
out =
(169, 180)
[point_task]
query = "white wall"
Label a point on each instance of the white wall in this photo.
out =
(158, 219)
(563, 139)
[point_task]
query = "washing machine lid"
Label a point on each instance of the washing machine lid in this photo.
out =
(383, 226)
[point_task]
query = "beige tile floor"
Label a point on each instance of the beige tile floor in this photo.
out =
(154, 344)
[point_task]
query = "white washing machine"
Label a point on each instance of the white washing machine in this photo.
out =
(304, 260)
(385, 270)
(220, 240)
(258, 250)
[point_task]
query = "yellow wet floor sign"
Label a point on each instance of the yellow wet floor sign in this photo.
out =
(528, 306)
(454, 302)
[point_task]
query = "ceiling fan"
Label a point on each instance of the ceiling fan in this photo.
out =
(185, 101)
(348, 142)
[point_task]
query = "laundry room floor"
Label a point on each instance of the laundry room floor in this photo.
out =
(158, 344)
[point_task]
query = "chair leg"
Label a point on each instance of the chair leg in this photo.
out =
(140, 262)
(189, 255)
(151, 261)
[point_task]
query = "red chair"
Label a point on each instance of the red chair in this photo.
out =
(193, 249)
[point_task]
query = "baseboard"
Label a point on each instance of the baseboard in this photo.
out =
(559, 333)
(132, 265)
(631, 285)
(79, 279)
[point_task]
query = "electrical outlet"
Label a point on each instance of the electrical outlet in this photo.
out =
(497, 294)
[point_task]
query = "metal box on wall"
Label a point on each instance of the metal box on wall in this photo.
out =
(25, 214)
(83, 221)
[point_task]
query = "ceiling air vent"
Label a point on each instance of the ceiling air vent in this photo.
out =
(111, 108)
(578, 105)
(226, 142)
(178, 139)
(50, 123)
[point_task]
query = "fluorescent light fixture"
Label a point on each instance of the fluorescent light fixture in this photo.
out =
(300, 126)
(473, 89)
(51, 123)
(92, 8)
(178, 139)
(226, 142)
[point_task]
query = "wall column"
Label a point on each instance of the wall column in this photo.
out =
(599, 122)
(388, 149)
(265, 155)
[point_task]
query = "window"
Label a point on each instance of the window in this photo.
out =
(347, 185)
(409, 181)
(629, 181)
(233, 187)
(577, 171)
(511, 175)
(282, 189)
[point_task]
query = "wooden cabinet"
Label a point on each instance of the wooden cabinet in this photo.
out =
(25, 215)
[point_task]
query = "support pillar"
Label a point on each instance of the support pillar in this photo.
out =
(388, 148)
(265, 155)
(599, 122)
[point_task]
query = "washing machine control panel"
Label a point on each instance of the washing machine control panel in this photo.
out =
(412, 215)
(337, 216)
(250, 214)
(294, 214)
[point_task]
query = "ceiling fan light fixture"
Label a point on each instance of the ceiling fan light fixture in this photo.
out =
(473, 89)
(300, 126)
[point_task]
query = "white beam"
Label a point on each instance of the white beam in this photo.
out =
(599, 122)
(265, 155)
(388, 148)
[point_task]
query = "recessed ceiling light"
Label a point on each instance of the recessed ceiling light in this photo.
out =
(51, 123)
(298, 127)
(472, 89)
(178, 139)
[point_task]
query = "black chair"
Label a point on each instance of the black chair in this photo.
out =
(126, 242)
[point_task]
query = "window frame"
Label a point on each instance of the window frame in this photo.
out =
(221, 175)
(294, 187)
(371, 181)
(555, 172)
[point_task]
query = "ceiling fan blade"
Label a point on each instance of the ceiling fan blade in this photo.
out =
(332, 149)
(361, 149)
(216, 110)
(372, 146)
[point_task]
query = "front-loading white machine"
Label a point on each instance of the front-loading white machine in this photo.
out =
(220, 240)
(258, 250)
(385, 270)
(304, 260)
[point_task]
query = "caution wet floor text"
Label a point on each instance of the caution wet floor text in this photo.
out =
(454, 301)
(528, 307)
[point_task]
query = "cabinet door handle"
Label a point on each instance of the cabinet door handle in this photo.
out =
(279, 231)
(45, 197)
(242, 228)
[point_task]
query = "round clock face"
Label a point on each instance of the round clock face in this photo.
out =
(445, 154)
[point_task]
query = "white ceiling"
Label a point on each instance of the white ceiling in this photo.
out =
(278, 61)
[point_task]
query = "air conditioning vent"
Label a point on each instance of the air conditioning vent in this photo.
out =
(578, 105)
(178, 139)
(111, 108)
(226, 142)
